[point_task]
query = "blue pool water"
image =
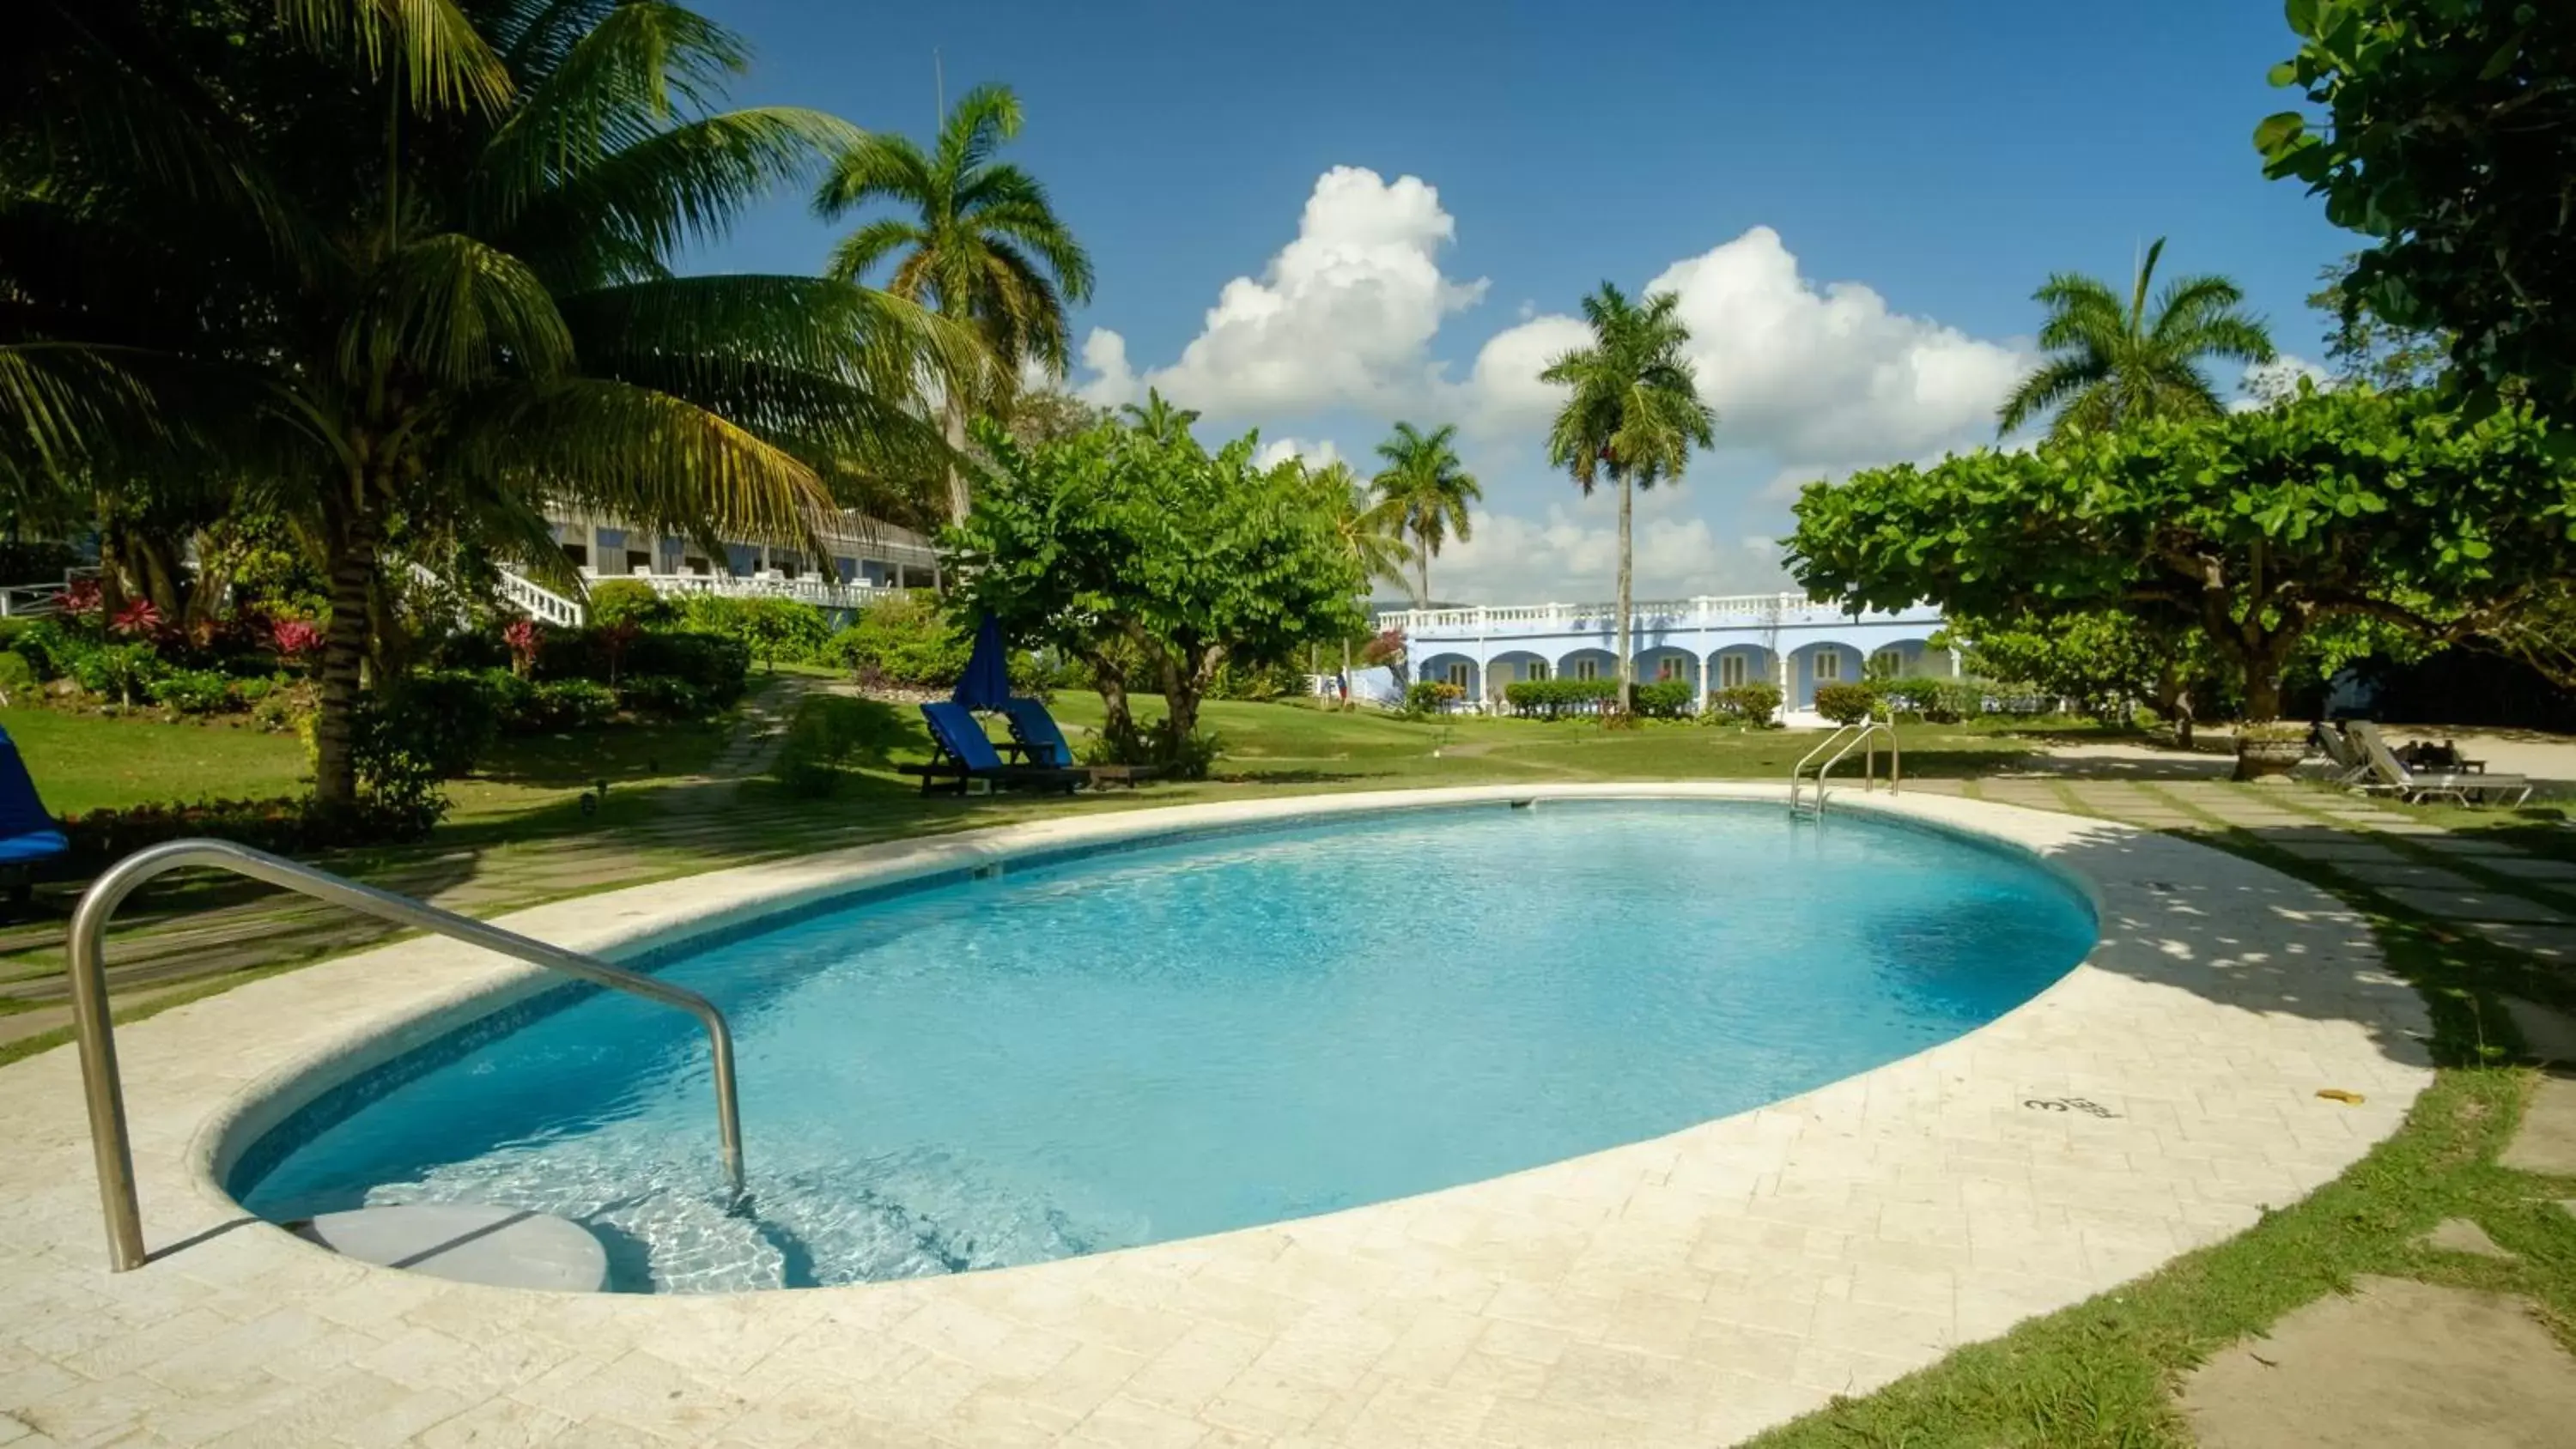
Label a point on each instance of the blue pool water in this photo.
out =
(1193, 1036)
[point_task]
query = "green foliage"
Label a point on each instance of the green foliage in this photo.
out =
(2116, 363)
(1662, 698)
(398, 780)
(771, 629)
(1127, 551)
(448, 718)
(2445, 133)
(1425, 491)
(829, 733)
(1426, 697)
(1926, 697)
(1846, 703)
(631, 601)
(44, 643)
(1180, 754)
(117, 671)
(1259, 681)
(2366, 349)
(1756, 704)
(194, 691)
(18, 682)
(906, 641)
(1557, 698)
(2252, 529)
(2099, 658)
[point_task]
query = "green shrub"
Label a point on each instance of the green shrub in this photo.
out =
(447, 717)
(772, 629)
(47, 646)
(1756, 704)
(630, 601)
(574, 704)
(903, 641)
(1557, 698)
(194, 691)
(1662, 699)
(119, 671)
(1846, 703)
(1942, 701)
(830, 732)
(664, 696)
(1426, 697)
(18, 682)
(1181, 756)
(398, 783)
(1261, 682)
(717, 666)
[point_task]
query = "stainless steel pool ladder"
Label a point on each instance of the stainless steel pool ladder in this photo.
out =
(98, 1038)
(1863, 736)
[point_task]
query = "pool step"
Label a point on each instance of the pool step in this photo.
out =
(497, 1247)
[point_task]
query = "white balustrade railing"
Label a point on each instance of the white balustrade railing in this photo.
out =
(541, 603)
(1782, 608)
(33, 601)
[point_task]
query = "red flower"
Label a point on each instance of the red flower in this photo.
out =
(138, 618)
(296, 638)
(82, 597)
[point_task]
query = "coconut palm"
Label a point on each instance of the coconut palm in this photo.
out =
(418, 310)
(1370, 531)
(2113, 363)
(1634, 412)
(1428, 490)
(981, 244)
(1158, 419)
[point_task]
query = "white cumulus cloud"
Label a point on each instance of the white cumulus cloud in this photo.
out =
(1817, 375)
(1343, 315)
(1321, 453)
(1572, 555)
(2265, 383)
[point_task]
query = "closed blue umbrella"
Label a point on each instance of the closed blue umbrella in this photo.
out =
(987, 681)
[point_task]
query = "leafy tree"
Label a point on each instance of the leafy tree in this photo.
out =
(1141, 553)
(2260, 527)
(1371, 532)
(1046, 415)
(982, 244)
(1158, 419)
(2116, 363)
(2104, 659)
(2365, 349)
(1427, 490)
(2446, 131)
(410, 282)
(1634, 413)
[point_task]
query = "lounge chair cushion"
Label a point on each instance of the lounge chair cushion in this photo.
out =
(27, 832)
(1037, 731)
(956, 732)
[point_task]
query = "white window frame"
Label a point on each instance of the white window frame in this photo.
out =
(1734, 671)
(1458, 672)
(1827, 666)
(1587, 669)
(1890, 662)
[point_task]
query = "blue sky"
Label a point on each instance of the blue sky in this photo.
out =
(1389, 209)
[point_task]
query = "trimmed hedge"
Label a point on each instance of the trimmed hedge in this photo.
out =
(1845, 703)
(1558, 698)
(1753, 704)
(1662, 699)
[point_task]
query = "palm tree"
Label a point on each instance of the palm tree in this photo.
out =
(418, 309)
(1635, 411)
(1158, 419)
(2115, 363)
(982, 245)
(1370, 532)
(1428, 490)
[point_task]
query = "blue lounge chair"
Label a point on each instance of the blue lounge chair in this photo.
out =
(966, 754)
(1036, 731)
(28, 835)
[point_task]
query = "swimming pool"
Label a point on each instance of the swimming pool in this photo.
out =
(1139, 1044)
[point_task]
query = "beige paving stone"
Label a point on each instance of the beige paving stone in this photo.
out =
(2549, 942)
(2475, 905)
(2460, 1235)
(2417, 877)
(2397, 1365)
(2545, 1139)
(1713, 1282)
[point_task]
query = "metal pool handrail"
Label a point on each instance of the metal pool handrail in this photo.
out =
(106, 1092)
(1849, 737)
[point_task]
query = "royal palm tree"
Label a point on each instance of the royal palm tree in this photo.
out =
(2113, 363)
(432, 292)
(1635, 413)
(980, 243)
(1428, 490)
(1158, 419)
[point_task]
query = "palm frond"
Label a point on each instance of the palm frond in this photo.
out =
(429, 45)
(456, 310)
(978, 125)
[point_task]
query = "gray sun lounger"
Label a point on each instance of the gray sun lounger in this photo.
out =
(2414, 786)
(2351, 764)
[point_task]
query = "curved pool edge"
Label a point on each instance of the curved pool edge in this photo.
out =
(1835, 1239)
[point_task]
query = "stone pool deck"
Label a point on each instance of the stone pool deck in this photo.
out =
(1690, 1289)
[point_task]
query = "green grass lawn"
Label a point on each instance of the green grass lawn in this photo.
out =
(87, 762)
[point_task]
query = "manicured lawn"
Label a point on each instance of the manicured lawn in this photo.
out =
(89, 762)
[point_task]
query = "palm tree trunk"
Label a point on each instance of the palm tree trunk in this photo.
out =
(344, 653)
(953, 425)
(1421, 570)
(1627, 669)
